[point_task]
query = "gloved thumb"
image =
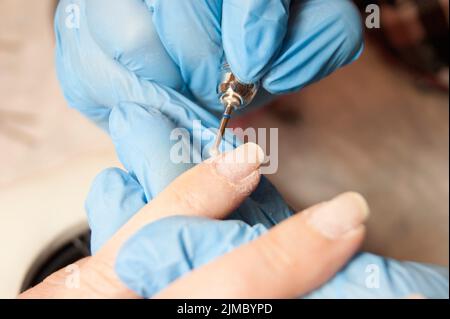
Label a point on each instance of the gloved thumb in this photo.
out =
(142, 137)
(169, 248)
(253, 32)
(114, 198)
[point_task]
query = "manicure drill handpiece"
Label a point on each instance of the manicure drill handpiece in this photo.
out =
(234, 95)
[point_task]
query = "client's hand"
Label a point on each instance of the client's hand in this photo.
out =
(176, 246)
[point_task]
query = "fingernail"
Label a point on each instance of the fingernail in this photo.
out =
(336, 218)
(240, 163)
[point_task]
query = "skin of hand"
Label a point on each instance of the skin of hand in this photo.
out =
(143, 248)
(116, 196)
(292, 259)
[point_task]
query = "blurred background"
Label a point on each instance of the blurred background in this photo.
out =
(379, 126)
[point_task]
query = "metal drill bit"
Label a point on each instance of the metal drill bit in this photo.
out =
(234, 95)
(223, 125)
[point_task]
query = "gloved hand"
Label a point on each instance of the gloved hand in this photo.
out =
(211, 190)
(141, 115)
(104, 65)
(116, 196)
(168, 249)
(96, 80)
(155, 249)
(141, 135)
(117, 46)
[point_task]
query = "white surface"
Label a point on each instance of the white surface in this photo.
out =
(41, 212)
(49, 154)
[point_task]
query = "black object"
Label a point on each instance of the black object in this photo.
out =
(70, 252)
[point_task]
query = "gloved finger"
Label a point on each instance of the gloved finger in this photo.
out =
(155, 152)
(264, 206)
(252, 33)
(368, 276)
(142, 138)
(73, 44)
(169, 248)
(322, 37)
(114, 198)
(292, 259)
(124, 32)
(230, 177)
(94, 83)
(194, 42)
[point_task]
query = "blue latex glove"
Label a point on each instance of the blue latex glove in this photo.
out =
(141, 137)
(95, 81)
(117, 44)
(104, 65)
(157, 253)
(140, 116)
(163, 251)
